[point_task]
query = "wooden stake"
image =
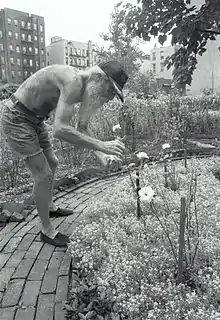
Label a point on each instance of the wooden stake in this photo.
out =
(181, 239)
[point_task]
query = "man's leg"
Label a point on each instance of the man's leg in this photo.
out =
(41, 172)
(42, 175)
(53, 163)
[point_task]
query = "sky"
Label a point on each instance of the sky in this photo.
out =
(79, 20)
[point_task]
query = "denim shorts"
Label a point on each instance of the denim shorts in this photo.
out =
(26, 135)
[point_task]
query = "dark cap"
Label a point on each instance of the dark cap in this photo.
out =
(116, 74)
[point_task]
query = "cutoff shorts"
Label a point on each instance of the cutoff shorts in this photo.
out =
(26, 135)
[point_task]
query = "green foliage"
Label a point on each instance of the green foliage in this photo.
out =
(134, 260)
(143, 84)
(184, 22)
(121, 45)
(7, 90)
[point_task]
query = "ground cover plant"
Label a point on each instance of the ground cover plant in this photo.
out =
(134, 259)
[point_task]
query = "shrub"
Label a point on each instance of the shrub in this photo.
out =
(134, 259)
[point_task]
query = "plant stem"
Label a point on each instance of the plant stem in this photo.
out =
(165, 173)
(137, 193)
(165, 231)
(181, 239)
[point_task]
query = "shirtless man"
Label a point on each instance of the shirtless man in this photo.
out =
(59, 88)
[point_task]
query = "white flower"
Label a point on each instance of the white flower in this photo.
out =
(146, 194)
(166, 146)
(142, 155)
(116, 127)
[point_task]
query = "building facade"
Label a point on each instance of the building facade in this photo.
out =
(22, 45)
(158, 56)
(207, 73)
(73, 53)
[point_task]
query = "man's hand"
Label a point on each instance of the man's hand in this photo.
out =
(109, 162)
(115, 147)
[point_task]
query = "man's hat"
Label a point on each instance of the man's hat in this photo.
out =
(116, 74)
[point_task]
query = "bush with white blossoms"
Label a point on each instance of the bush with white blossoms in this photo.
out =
(134, 259)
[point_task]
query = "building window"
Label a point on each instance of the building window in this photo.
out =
(12, 60)
(2, 60)
(162, 67)
(41, 28)
(31, 73)
(35, 38)
(9, 33)
(35, 26)
(67, 61)
(19, 73)
(16, 35)
(13, 73)
(66, 50)
(161, 55)
(154, 67)
(25, 61)
(31, 63)
(29, 37)
(26, 73)
(24, 49)
(1, 47)
(9, 20)
(15, 22)
(29, 25)
(1, 34)
(75, 51)
(17, 49)
(30, 49)
(11, 47)
(43, 64)
(37, 63)
(79, 52)
(154, 55)
(22, 24)
(18, 61)
(42, 39)
(79, 62)
(36, 51)
(3, 73)
(42, 51)
(23, 36)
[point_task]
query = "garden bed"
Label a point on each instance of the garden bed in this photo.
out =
(126, 267)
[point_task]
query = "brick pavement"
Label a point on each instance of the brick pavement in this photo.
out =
(34, 277)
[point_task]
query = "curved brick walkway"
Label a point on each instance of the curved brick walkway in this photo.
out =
(34, 277)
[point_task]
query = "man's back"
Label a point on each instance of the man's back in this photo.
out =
(40, 92)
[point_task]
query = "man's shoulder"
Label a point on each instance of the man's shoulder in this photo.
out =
(63, 74)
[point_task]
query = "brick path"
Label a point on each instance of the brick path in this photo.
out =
(34, 277)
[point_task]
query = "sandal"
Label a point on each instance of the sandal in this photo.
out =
(60, 213)
(61, 240)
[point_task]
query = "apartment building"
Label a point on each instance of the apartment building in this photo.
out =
(73, 53)
(22, 45)
(158, 56)
(207, 73)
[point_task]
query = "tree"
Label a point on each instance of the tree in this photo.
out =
(190, 29)
(121, 45)
(143, 84)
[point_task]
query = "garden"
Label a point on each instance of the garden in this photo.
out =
(149, 248)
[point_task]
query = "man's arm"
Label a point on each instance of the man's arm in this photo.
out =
(88, 132)
(109, 162)
(62, 129)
